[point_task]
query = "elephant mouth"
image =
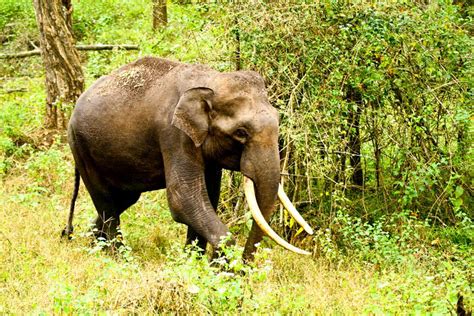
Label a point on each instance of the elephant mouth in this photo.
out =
(262, 223)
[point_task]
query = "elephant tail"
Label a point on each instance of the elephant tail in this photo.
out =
(67, 232)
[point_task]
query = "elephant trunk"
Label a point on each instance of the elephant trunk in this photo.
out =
(261, 164)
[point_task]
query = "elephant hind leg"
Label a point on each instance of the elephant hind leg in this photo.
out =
(109, 207)
(108, 200)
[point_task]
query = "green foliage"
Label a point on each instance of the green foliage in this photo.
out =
(39, 166)
(19, 120)
(106, 22)
(17, 32)
(223, 286)
(388, 84)
(13, 10)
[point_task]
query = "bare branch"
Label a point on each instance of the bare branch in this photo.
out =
(98, 47)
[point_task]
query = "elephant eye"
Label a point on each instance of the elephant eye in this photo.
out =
(212, 115)
(241, 135)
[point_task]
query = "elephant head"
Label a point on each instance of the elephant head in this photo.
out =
(230, 118)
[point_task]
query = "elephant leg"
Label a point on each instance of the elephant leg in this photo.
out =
(213, 177)
(189, 200)
(109, 207)
(192, 237)
(106, 225)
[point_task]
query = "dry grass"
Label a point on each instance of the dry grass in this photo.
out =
(40, 273)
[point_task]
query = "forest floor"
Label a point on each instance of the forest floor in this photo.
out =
(40, 273)
(43, 274)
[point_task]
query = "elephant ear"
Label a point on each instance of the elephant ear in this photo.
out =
(191, 113)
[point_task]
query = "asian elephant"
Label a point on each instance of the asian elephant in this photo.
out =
(156, 124)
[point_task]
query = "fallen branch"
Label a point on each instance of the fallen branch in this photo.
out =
(79, 47)
(107, 47)
(15, 90)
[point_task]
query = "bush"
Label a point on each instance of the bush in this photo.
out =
(373, 98)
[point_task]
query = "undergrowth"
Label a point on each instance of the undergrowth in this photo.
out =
(384, 266)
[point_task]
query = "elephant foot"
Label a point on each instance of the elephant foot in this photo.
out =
(109, 245)
(195, 248)
(224, 253)
(248, 257)
(106, 229)
(67, 232)
(107, 234)
(109, 238)
(195, 242)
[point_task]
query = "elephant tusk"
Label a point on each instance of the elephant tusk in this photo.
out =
(292, 210)
(260, 220)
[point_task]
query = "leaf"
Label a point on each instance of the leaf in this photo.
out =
(299, 231)
(459, 191)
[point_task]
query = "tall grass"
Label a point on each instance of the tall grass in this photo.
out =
(40, 273)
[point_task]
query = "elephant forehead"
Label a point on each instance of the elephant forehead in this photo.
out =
(267, 117)
(239, 84)
(259, 119)
(242, 95)
(258, 123)
(234, 99)
(245, 107)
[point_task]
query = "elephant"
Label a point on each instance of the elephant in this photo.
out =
(160, 124)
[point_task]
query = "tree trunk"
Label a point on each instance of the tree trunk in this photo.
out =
(354, 136)
(160, 15)
(377, 151)
(64, 76)
(238, 62)
(354, 146)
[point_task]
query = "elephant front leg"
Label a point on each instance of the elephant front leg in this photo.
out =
(190, 204)
(193, 237)
(193, 208)
(213, 177)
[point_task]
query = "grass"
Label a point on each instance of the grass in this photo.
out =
(396, 265)
(40, 273)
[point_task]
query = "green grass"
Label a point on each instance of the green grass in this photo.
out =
(42, 274)
(398, 264)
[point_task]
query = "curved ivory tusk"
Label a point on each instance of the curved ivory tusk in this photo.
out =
(260, 220)
(292, 210)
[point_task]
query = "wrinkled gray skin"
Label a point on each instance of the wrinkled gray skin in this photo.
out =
(156, 124)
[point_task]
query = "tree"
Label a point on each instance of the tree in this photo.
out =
(160, 16)
(64, 76)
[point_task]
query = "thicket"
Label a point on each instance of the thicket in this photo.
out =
(375, 103)
(375, 100)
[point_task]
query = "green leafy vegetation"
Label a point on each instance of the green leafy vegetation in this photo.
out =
(375, 104)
